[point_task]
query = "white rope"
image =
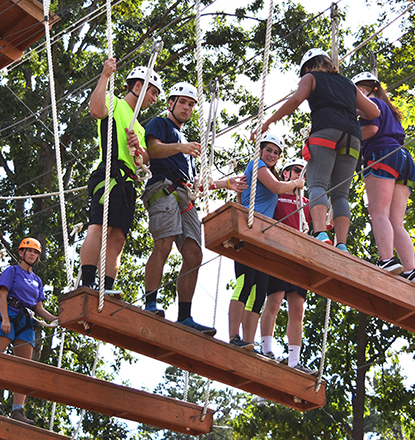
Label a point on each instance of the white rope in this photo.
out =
(104, 237)
(46, 6)
(299, 199)
(260, 116)
(40, 196)
(52, 414)
(186, 386)
(323, 348)
(94, 367)
(201, 99)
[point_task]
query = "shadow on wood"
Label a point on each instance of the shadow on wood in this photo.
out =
(58, 385)
(288, 254)
(130, 327)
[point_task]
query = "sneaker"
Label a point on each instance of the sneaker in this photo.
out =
(322, 236)
(304, 369)
(188, 322)
(268, 354)
(342, 247)
(282, 360)
(392, 265)
(236, 340)
(410, 276)
(152, 307)
(114, 293)
(18, 414)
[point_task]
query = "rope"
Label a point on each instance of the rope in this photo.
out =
(39, 196)
(260, 116)
(46, 5)
(299, 198)
(201, 99)
(323, 348)
(104, 237)
(186, 386)
(52, 415)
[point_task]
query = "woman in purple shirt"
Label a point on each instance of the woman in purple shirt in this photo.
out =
(389, 182)
(20, 288)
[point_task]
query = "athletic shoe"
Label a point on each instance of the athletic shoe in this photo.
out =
(113, 293)
(188, 322)
(322, 236)
(152, 307)
(342, 247)
(18, 414)
(304, 369)
(268, 354)
(410, 276)
(282, 360)
(236, 340)
(392, 265)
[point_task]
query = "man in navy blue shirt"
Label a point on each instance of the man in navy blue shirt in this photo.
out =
(172, 215)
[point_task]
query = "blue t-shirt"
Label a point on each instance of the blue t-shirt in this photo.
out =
(390, 132)
(265, 200)
(24, 286)
(179, 165)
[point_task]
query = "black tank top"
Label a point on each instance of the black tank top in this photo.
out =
(333, 104)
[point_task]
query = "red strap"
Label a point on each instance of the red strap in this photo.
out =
(384, 167)
(188, 208)
(322, 142)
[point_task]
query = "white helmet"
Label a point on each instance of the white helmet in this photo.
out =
(294, 162)
(364, 76)
(309, 55)
(274, 140)
(140, 72)
(184, 89)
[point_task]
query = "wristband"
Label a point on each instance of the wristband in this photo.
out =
(229, 184)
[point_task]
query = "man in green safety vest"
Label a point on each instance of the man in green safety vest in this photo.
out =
(126, 146)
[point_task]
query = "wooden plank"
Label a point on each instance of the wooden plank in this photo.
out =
(13, 430)
(130, 327)
(290, 255)
(100, 396)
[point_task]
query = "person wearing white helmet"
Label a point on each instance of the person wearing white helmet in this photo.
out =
(278, 289)
(21, 289)
(389, 182)
(172, 215)
(333, 148)
(266, 198)
(123, 172)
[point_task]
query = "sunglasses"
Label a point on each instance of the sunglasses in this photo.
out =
(296, 169)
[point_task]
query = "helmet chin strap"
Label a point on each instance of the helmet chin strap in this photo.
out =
(374, 89)
(23, 259)
(172, 112)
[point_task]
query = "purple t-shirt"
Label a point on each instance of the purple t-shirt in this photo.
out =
(390, 132)
(24, 286)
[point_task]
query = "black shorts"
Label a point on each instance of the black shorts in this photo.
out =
(277, 285)
(121, 204)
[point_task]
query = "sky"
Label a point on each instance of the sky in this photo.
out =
(147, 373)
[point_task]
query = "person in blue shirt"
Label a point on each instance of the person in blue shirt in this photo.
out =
(20, 288)
(388, 183)
(172, 215)
(266, 199)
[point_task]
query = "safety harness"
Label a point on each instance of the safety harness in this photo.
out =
(330, 144)
(390, 170)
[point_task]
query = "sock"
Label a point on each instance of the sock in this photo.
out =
(109, 283)
(184, 310)
(151, 296)
(266, 344)
(293, 355)
(407, 273)
(16, 406)
(88, 274)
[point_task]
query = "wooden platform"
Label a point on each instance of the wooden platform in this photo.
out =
(21, 24)
(297, 258)
(58, 385)
(13, 430)
(175, 344)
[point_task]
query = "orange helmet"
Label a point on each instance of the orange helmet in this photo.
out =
(30, 243)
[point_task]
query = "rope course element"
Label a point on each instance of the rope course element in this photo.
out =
(107, 168)
(260, 116)
(323, 347)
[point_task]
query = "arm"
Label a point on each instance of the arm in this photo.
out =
(5, 324)
(273, 184)
(366, 108)
(40, 311)
(159, 150)
(368, 131)
(97, 104)
(235, 183)
(304, 90)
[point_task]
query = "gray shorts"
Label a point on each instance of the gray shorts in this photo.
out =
(167, 218)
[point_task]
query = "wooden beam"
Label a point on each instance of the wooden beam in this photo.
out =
(297, 258)
(32, 8)
(13, 430)
(97, 395)
(130, 327)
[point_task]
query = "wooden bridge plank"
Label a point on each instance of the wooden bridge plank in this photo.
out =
(295, 257)
(97, 395)
(13, 430)
(130, 327)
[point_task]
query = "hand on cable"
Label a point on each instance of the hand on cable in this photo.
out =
(134, 147)
(238, 183)
(54, 323)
